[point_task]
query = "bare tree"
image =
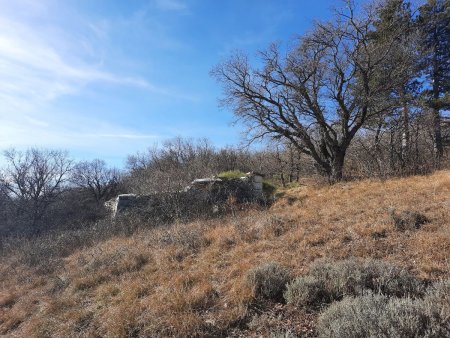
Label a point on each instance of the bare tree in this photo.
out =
(320, 94)
(33, 180)
(95, 176)
(172, 166)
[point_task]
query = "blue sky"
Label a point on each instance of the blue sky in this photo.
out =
(104, 79)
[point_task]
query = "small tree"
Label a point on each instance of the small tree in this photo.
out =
(34, 179)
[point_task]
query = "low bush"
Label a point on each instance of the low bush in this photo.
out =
(268, 281)
(381, 317)
(437, 303)
(268, 188)
(282, 334)
(356, 276)
(306, 291)
(328, 281)
(45, 252)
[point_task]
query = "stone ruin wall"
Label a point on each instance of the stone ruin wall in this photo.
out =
(209, 191)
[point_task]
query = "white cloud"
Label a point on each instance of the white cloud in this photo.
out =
(32, 69)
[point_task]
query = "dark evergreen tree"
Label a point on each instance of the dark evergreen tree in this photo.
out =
(395, 23)
(434, 24)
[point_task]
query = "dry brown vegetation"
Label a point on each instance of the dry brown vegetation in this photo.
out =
(192, 279)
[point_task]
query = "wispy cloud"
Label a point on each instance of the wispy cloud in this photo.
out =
(43, 61)
(171, 5)
(40, 63)
(83, 134)
(136, 136)
(32, 70)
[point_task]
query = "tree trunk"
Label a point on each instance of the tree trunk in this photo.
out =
(435, 110)
(439, 149)
(392, 151)
(405, 137)
(283, 182)
(378, 151)
(336, 168)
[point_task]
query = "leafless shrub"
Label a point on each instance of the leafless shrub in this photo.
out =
(45, 252)
(282, 334)
(189, 237)
(276, 225)
(383, 152)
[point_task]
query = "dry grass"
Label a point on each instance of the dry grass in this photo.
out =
(190, 279)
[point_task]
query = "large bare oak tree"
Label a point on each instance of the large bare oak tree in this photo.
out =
(318, 94)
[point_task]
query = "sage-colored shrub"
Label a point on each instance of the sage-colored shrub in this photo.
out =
(437, 304)
(373, 316)
(380, 316)
(268, 281)
(353, 277)
(306, 291)
(438, 295)
(330, 281)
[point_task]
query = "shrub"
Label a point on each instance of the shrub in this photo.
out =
(268, 281)
(189, 237)
(306, 291)
(330, 281)
(356, 276)
(407, 220)
(280, 333)
(379, 316)
(438, 294)
(437, 305)
(352, 317)
(268, 188)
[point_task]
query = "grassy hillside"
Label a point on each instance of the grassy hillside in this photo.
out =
(193, 279)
